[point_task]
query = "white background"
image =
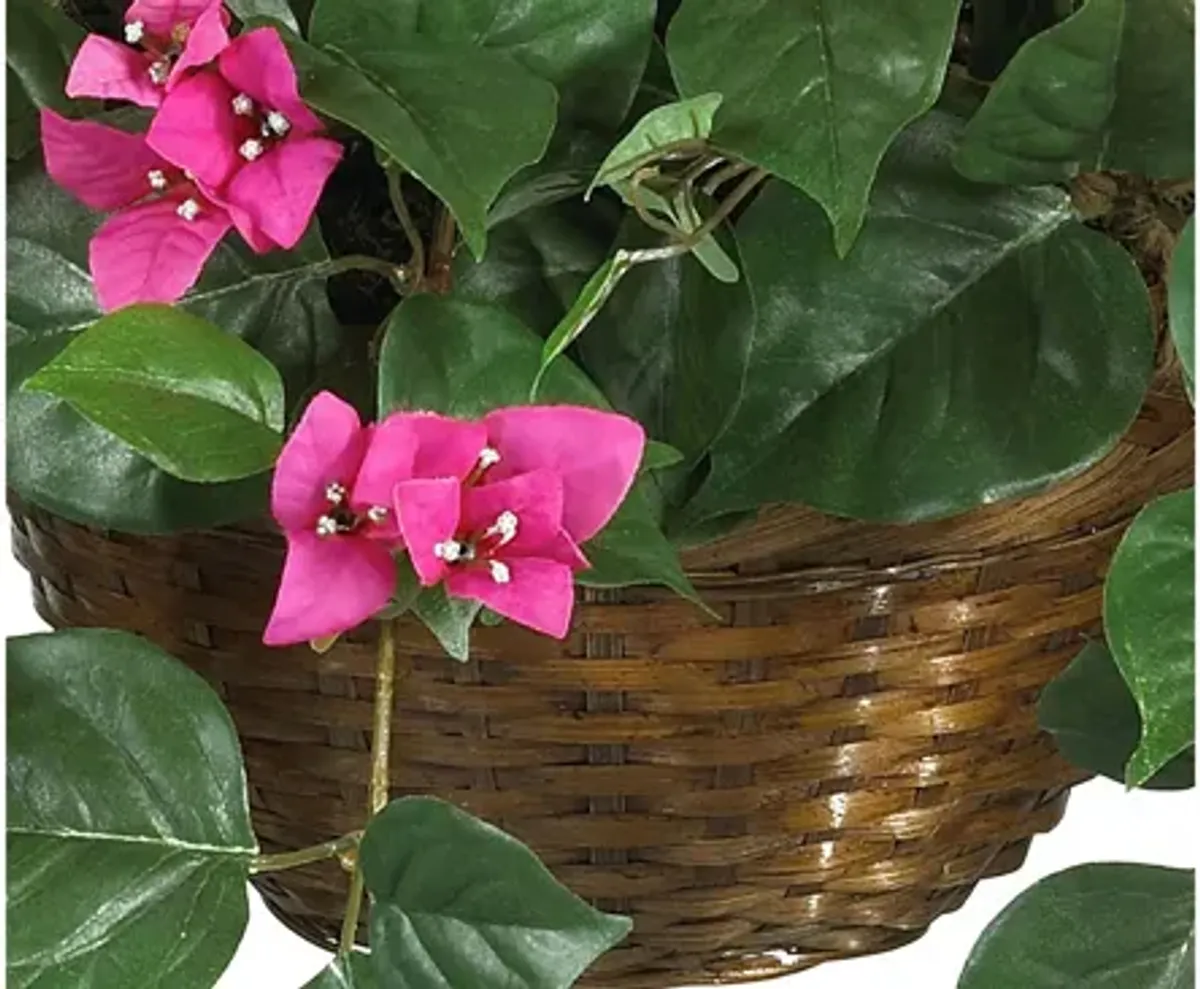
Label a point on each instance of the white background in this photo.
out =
(1103, 824)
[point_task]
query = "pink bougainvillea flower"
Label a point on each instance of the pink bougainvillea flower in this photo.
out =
(339, 569)
(154, 246)
(250, 141)
(500, 517)
(164, 40)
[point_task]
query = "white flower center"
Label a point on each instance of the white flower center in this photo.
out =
(135, 31)
(243, 106)
(376, 514)
(451, 550)
(335, 493)
(327, 525)
(277, 123)
(251, 149)
(500, 572)
(488, 457)
(189, 209)
(505, 527)
(159, 72)
(157, 180)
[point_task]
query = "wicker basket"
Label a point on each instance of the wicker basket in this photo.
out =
(818, 774)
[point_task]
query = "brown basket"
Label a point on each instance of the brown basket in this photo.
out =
(818, 774)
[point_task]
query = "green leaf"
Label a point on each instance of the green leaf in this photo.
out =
(878, 390)
(1149, 617)
(129, 839)
(1105, 925)
(539, 262)
(449, 619)
(1094, 720)
(461, 118)
(457, 902)
(466, 359)
(41, 45)
(347, 972)
(563, 172)
(592, 53)
(207, 408)
(56, 458)
(1000, 27)
(1181, 302)
(660, 455)
(1106, 88)
(685, 120)
(671, 347)
(814, 90)
(279, 11)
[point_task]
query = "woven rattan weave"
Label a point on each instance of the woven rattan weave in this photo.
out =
(819, 773)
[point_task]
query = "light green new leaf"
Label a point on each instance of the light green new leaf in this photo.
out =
(466, 359)
(1149, 618)
(814, 90)
(1094, 720)
(207, 407)
(976, 344)
(56, 458)
(352, 971)
(457, 902)
(593, 53)
(1101, 926)
(449, 619)
(129, 839)
(685, 120)
(461, 118)
(1181, 302)
(1109, 87)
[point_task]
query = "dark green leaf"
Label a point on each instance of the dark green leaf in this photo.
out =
(563, 172)
(660, 455)
(592, 53)
(538, 263)
(460, 118)
(277, 10)
(449, 619)
(1109, 87)
(207, 408)
(1000, 27)
(1101, 926)
(814, 90)
(347, 972)
(129, 839)
(456, 902)
(41, 44)
(670, 349)
(465, 359)
(1181, 302)
(657, 86)
(977, 344)
(275, 302)
(1149, 617)
(1094, 720)
(686, 120)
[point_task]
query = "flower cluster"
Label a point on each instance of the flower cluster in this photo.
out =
(494, 509)
(231, 145)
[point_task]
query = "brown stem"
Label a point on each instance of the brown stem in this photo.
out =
(441, 255)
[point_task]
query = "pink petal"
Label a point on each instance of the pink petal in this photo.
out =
(540, 594)
(109, 70)
(564, 549)
(103, 167)
(162, 16)
(149, 253)
(446, 447)
(329, 585)
(259, 242)
(388, 461)
(326, 447)
(257, 64)
(197, 129)
(278, 193)
(428, 511)
(206, 40)
(535, 498)
(596, 453)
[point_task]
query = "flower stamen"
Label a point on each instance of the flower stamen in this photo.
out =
(499, 571)
(377, 514)
(159, 72)
(277, 123)
(335, 493)
(251, 149)
(157, 179)
(135, 31)
(189, 209)
(243, 105)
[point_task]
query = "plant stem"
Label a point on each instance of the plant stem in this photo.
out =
(305, 856)
(639, 206)
(396, 274)
(381, 740)
(441, 254)
(730, 171)
(416, 263)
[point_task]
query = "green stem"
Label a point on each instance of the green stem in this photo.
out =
(381, 740)
(416, 263)
(730, 171)
(305, 856)
(394, 273)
